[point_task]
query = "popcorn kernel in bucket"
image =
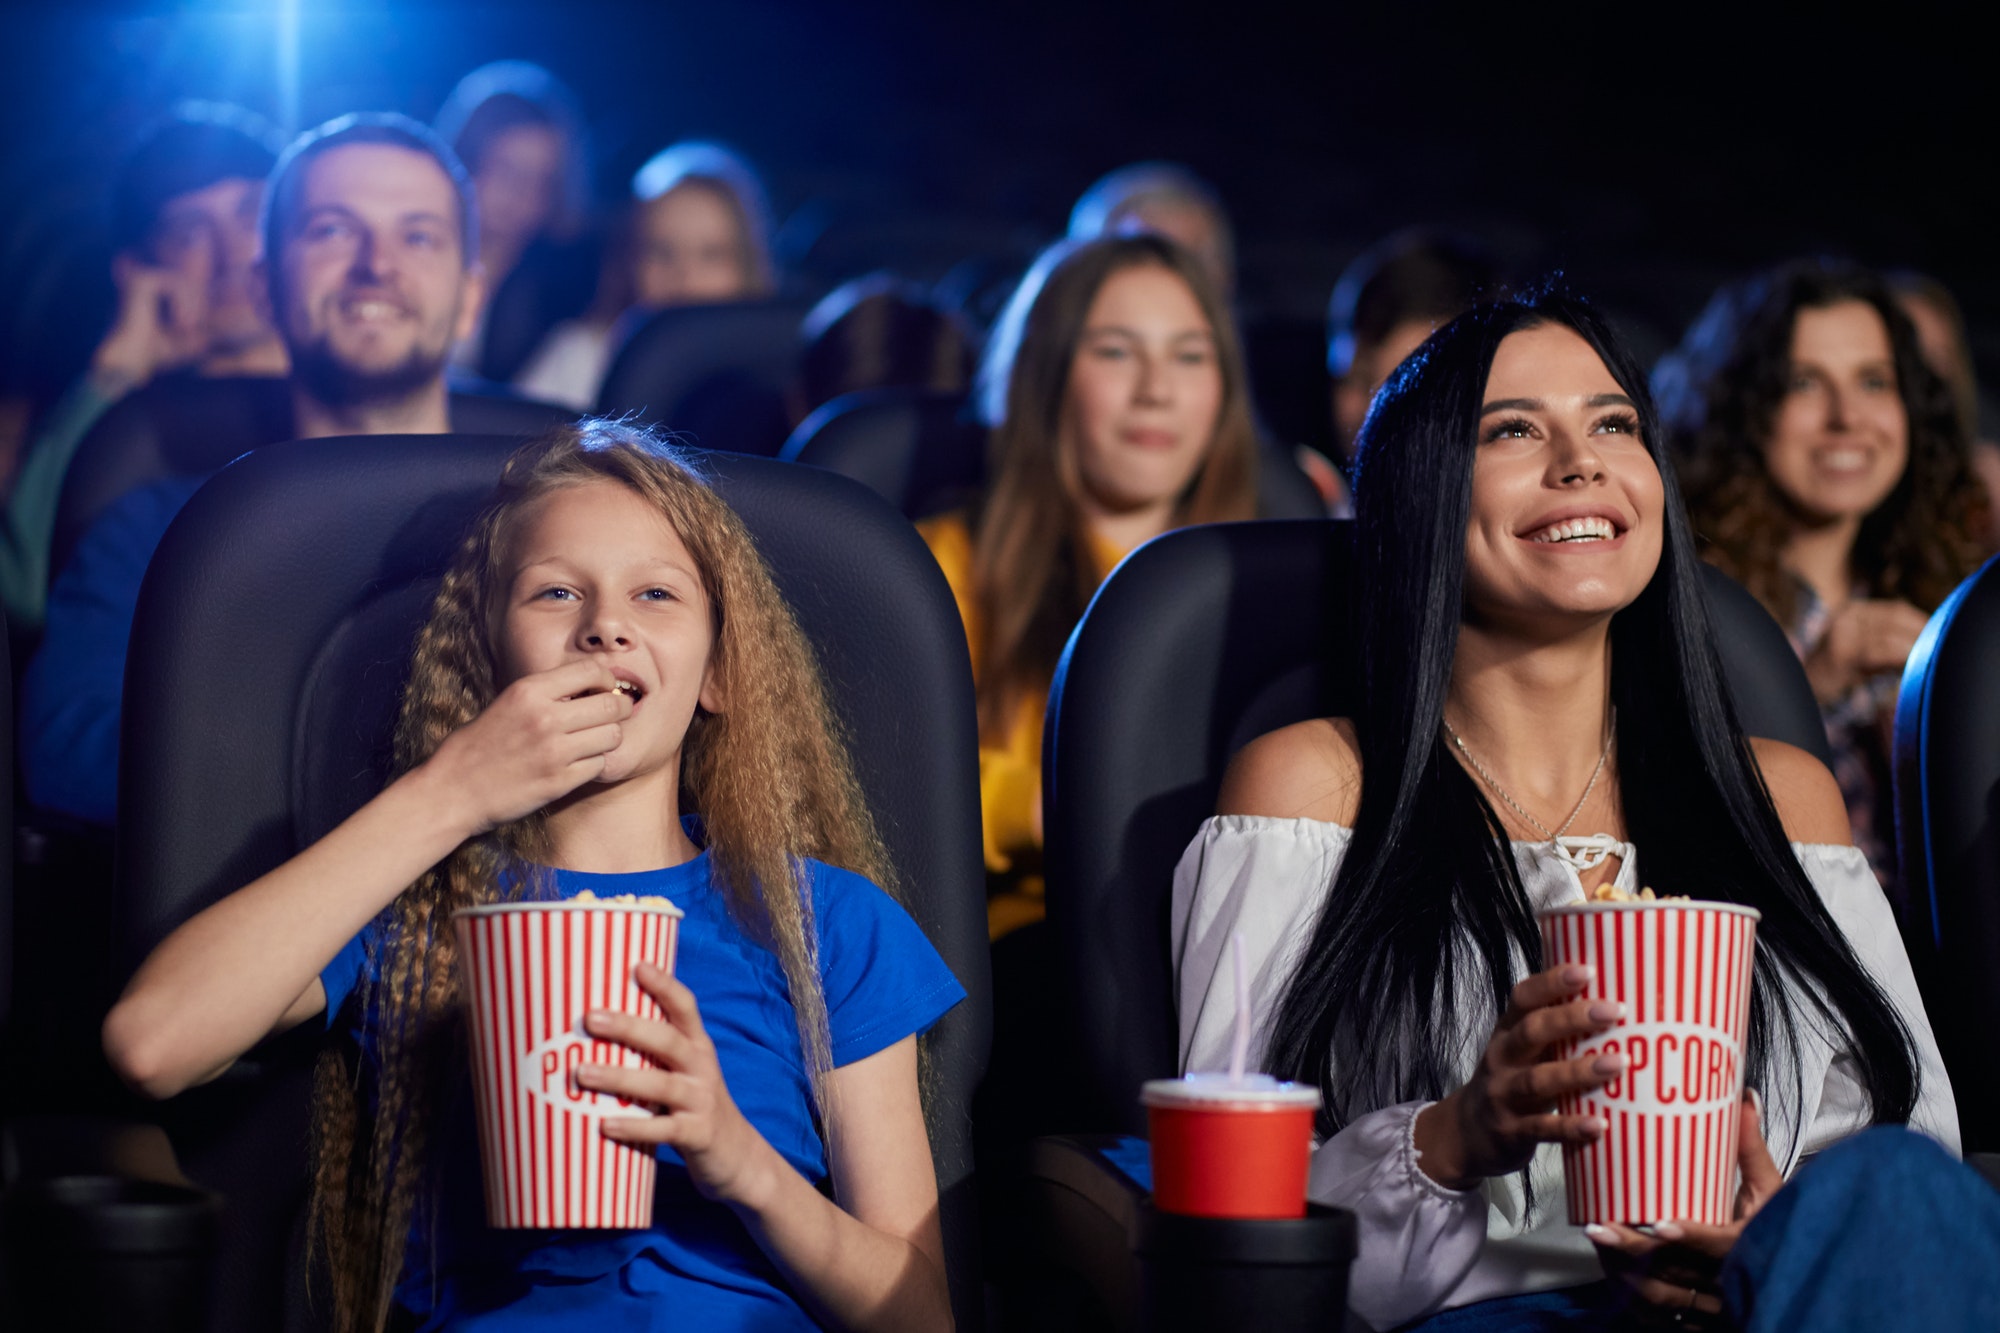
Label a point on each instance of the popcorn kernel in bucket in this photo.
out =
(625, 899)
(1611, 893)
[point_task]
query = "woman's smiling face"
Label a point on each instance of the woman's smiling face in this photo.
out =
(1567, 503)
(1841, 437)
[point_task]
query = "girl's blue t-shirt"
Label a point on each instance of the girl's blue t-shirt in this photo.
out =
(698, 1267)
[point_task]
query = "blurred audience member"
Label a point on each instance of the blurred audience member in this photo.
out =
(1827, 472)
(1168, 200)
(1941, 334)
(879, 332)
(520, 133)
(369, 234)
(1386, 303)
(184, 230)
(698, 231)
(1119, 409)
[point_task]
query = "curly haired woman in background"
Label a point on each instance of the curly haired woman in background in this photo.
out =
(1827, 471)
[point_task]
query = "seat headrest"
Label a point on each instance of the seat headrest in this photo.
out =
(189, 425)
(916, 448)
(716, 374)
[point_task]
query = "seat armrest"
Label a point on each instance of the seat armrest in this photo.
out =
(100, 1230)
(42, 1147)
(1102, 1169)
(1082, 1208)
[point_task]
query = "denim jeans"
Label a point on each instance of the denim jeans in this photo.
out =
(1881, 1232)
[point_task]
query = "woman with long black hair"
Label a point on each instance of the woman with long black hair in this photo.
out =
(1541, 698)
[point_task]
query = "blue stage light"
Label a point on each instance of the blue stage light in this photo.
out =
(288, 63)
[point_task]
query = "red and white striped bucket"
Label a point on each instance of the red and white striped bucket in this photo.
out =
(531, 972)
(1682, 971)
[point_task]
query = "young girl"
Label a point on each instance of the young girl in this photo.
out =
(606, 652)
(1119, 407)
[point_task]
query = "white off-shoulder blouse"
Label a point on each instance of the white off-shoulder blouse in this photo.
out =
(1424, 1247)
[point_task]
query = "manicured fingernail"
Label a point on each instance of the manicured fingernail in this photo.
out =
(1611, 1062)
(1606, 1011)
(1603, 1233)
(1596, 1127)
(1576, 974)
(1756, 1101)
(1668, 1230)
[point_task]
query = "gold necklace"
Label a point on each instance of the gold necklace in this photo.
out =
(1555, 838)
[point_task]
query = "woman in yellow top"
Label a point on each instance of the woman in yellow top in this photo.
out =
(1115, 389)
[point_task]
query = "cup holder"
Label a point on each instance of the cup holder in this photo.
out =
(91, 1253)
(1271, 1275)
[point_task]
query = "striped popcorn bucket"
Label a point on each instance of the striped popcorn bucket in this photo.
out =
(531, 972)
(1682, 971)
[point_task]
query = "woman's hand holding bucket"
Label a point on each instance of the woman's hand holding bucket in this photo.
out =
(1493, 1124)
(1674, 1265)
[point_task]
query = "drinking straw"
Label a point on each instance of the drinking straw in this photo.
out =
(1239, 1046)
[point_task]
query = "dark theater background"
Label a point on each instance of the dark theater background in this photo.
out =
(1648, 152)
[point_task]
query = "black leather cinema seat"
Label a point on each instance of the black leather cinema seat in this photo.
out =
(915, 448)
(6, 863)
(270, 644)
(1201, 641)
(715, 374)
(552, 282)
(1282, 490)
(1948, 836)
(186, 425)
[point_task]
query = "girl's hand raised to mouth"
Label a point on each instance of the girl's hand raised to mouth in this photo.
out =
(544, 736)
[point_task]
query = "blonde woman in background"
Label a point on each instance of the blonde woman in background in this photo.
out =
(1118, 403)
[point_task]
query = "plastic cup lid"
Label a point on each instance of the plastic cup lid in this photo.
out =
(1197, 1090)
(661, 906)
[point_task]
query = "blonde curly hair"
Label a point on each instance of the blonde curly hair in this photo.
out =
(769, 775)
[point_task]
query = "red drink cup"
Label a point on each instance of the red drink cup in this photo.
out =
(1682, 971)
(1230, 1148)
(532, 971)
